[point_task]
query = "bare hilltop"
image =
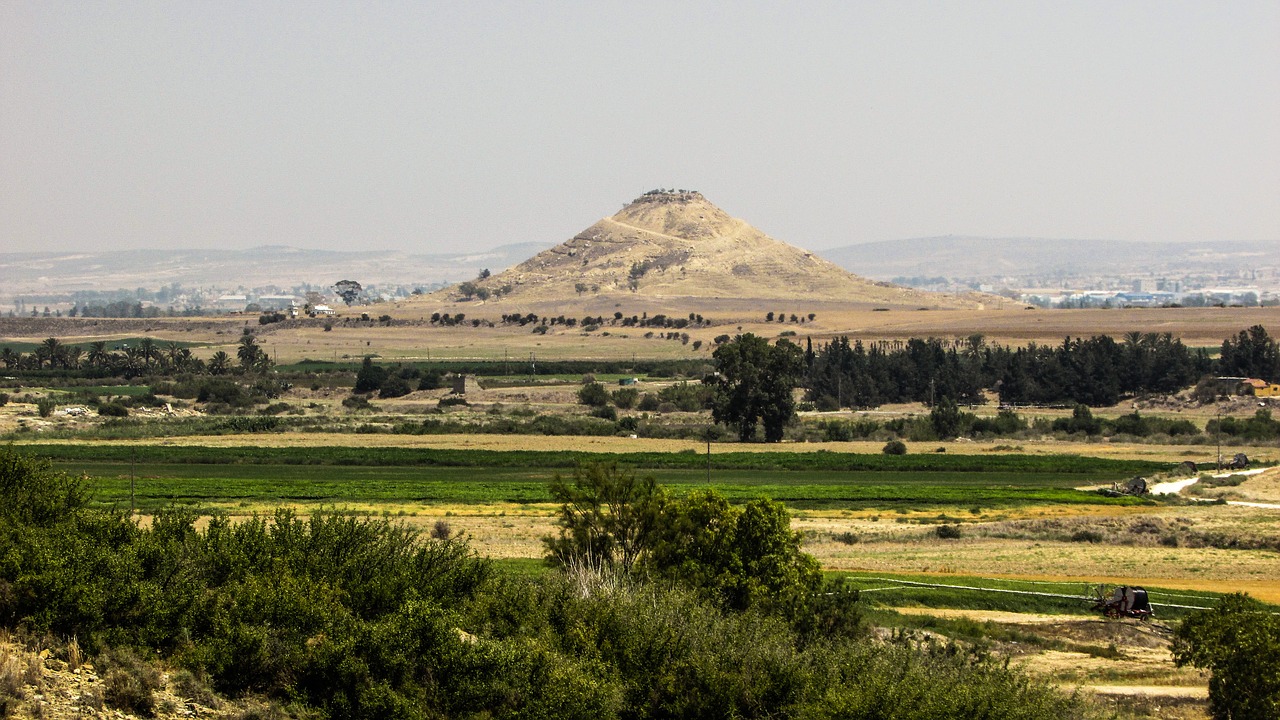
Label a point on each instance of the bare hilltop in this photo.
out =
(670, 244)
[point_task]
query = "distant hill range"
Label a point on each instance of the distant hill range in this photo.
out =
(31, 273)
(676, 244)
(977, 257)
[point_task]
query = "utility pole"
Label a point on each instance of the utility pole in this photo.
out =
(1217, 436)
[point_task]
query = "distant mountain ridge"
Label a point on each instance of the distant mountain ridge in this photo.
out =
(979, 257)
(284, 266)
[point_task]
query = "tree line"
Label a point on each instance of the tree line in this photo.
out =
(146, 357)
(1095, 371)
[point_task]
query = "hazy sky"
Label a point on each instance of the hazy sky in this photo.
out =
(465, 125)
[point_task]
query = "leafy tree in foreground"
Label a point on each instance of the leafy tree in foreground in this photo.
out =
(606, 517)
(1240, 643)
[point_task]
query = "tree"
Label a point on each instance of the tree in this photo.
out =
(467, 289)
(1251, 354)
(946, 419)
(1240, 643)
(219, 363)
(248, 351)
(606, 517)
(593, 394)
(348, 290)
(98, 356)
(741, 558)
(754, 385)
(370, 377)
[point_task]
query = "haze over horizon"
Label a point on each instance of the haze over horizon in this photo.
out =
(433, 127)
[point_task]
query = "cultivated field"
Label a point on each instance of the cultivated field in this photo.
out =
(1026, 515)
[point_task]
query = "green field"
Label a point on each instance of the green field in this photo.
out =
(226, 477)
(1024, 596)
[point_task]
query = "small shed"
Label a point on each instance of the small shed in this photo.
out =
(463, 384)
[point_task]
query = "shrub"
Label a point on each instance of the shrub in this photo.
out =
(648, 402)
(948, 532)
(4, 399)
(46, 406)
(441, 530)
(1089, 536)
(394, 387)
(625, 398)
(604, 412)
(895, 447)
(453, 401)
(356, 402)
(593, 394)
(188, 686)
(687, 397)
(113, 409)
(130, 682)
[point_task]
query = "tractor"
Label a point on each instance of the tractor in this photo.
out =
(1123, 601)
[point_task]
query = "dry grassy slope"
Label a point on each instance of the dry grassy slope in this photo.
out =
(692, 249)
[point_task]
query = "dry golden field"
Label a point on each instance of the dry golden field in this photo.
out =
(412, 337)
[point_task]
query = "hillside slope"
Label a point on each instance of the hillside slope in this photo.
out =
(677, 244)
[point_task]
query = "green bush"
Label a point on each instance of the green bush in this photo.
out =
(948, 532)
(46, 406)
(113, 409)
(605, 412)
(394, 387)
(593, 394)
(894, 447)
(625, 398)
(356, 402)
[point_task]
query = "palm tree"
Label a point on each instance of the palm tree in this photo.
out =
(182, 360)
(51, 351)
(10, 358)
(72, 356)
(172, 353)
(149, 350)
(220, 363)
(99, 356)
(248, 351)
